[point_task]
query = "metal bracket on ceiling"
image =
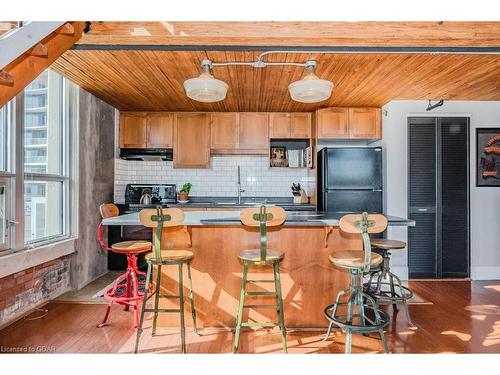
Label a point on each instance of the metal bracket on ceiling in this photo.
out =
(431, 106)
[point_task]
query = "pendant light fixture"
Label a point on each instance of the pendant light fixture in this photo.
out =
(310, 89)
(206, 88)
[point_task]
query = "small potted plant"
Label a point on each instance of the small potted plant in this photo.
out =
(183, 194)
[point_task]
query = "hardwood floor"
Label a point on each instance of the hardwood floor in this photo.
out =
(458, 317)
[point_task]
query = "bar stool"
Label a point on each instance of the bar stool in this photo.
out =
(262, 217)
(388, 295)
(128, 288)
(161, 218)
(358, 263)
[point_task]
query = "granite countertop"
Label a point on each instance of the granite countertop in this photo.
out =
(221, 218)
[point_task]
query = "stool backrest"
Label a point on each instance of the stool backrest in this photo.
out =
(106, 210)
(364, 224)
(160, 218)
(263, 217)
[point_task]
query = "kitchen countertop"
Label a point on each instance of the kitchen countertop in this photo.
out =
(228, 218)
(232, 202)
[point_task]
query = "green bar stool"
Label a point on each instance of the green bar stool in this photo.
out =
(262, 217)
(383, 288)
(160, 218)
(369, 318)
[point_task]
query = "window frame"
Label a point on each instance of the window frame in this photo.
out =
(18, 177)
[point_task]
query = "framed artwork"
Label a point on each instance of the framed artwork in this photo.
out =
(278, 157)
(488, 157)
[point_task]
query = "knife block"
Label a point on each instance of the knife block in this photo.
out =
(302, 198)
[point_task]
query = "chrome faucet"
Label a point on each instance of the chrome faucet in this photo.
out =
(240, 190)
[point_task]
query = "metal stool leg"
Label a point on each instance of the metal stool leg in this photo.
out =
(348, 340)
(393, 292)
(157, 297)
(106, 315)
(239, 314)
(405, 303)
(334, 312)
(279, 298)
(181, 308)
(139, 329)
(191, 298)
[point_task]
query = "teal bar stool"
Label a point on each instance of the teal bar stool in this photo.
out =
(161, 218)
(369, 318)
(262, 217)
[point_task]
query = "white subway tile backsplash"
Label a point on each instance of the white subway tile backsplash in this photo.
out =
(257, 178)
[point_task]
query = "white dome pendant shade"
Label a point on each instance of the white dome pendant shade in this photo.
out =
(206, 88)
(310, 89)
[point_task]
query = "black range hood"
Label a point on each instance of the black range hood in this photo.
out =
(146, 154)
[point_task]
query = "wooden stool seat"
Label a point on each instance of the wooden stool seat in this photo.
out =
(385, 244)
(132, 246)
(253, 255)
(353, 259)
(171, 255)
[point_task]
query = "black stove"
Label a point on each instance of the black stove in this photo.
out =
(161, 195)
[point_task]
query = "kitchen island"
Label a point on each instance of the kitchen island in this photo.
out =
(309, 282)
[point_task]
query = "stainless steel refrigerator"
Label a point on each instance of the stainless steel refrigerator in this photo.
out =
(350, 179)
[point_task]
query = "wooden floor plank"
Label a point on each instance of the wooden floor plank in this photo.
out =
(461, 317)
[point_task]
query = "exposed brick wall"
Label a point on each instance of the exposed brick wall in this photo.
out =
(27, 289)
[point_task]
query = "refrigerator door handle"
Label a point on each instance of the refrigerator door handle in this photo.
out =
(376, 189)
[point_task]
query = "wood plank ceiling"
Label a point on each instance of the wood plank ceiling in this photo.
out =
(153, 79)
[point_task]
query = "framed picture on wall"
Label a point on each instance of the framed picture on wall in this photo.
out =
(488, 157)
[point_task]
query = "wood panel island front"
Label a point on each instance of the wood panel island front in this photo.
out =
(309, 281)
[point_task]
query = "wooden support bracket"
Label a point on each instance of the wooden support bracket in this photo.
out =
(6, 79)
(40, 50)
(327, 230)
(66, 29)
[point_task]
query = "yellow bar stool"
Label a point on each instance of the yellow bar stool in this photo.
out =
(161, 218)
(262, 217)
(368, 318)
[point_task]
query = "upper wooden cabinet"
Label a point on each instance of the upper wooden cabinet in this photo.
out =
(332, 123)
(133, 130)
(192, 140)
(253, 132)
(160, 130)
(364, 123)
(146, 130)
(290, 125)
(348, 123)
(300, 125)
(224, 132)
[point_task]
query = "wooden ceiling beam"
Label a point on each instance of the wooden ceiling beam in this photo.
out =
(28, 66)
(295, 33)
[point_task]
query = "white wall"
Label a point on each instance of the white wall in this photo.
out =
(220, 180)
(484, 201)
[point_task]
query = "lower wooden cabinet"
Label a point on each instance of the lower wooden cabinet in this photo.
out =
(192, 140)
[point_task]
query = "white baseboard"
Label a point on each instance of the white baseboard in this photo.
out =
(400, 271)
(485, 273)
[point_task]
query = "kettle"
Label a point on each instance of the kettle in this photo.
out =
(145, 198)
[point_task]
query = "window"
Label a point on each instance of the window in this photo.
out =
(46, 178)
(34, 153)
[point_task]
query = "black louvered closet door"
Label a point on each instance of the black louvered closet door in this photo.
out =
(454, 197)
(438, 246)
(422, 262)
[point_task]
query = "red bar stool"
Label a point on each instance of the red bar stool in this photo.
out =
(128, 288)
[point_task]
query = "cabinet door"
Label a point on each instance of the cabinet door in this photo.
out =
(364, 123)
(332, 123)
(160, 130)
(300, 126)
(224, 132)
(133, 130)
(279, 125)
(192, 140)
(254, 132)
